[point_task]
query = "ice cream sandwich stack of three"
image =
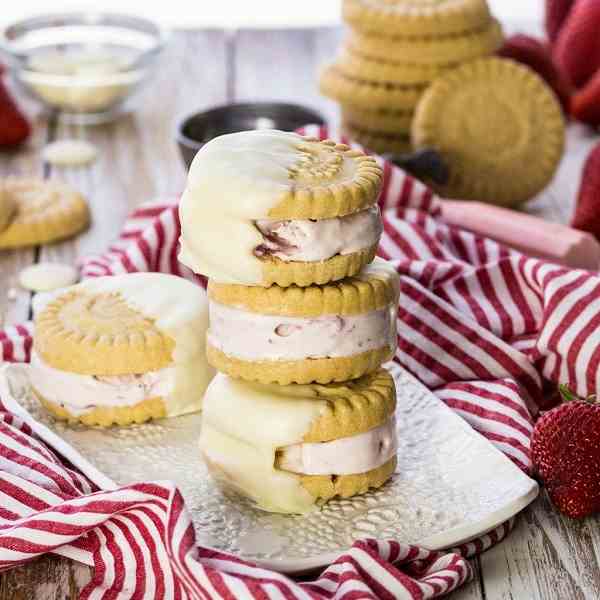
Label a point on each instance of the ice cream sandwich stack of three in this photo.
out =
(301, 318)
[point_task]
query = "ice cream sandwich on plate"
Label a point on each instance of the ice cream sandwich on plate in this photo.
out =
(121, 350)
(291, 448)
(325, 333)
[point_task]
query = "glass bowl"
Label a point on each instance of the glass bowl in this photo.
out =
(89, 66)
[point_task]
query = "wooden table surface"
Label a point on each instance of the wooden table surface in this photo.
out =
(547, 556)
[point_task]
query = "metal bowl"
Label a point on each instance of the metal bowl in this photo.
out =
(87, 65)
(197, 129)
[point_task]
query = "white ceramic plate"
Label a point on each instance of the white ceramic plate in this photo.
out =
(451, 484)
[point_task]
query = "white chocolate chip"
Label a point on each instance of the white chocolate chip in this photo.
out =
(70, 153)
(45, 277)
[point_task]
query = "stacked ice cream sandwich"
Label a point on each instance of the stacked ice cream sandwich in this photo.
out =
(300, 317)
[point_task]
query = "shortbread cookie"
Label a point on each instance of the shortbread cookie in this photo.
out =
(498, 126)
(288, 335)
(122, 349)
(264, 207)
(355, 65)
(46, 211)
(366, 94)
(380, 142)
(290, 448)
(416, 18)
(398, 122)
(431, 52)
(8, 208)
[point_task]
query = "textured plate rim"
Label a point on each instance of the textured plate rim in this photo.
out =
(447, 539)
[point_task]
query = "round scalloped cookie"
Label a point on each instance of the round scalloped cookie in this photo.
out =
(46, 211)
(429, 52)
(380, 142)
(398, 122)
(368, 95)
(498, 126)
(416, 18)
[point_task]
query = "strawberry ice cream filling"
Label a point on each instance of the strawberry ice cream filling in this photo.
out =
(311, 241)
(80, 394)
(252, 336)
(345, 456)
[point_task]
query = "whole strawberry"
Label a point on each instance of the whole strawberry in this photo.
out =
(566, 455)
(534, 54)
(587, 210)
(556, 13)
(14, 127)
(585, 103)
(577, 48)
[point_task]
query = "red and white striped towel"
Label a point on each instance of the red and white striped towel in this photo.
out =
(486, 328)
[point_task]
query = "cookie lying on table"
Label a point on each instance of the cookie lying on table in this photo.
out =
(326, 333)
(121, 350)
(289, 448)
(33, 212)
(264, 207)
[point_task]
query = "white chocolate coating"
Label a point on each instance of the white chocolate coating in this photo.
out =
(234, 181)
(81, 394)
(309, 241)
(251, 336)
(346, 456)
(243, 424)
(179, 309)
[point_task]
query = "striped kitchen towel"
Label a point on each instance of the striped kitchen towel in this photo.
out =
(487, 329)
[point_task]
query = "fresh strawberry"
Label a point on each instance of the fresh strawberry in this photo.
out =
(556, 13)
(585, 104)
(587, 210)
(14, 127)
(577, 48)
(536, 55)
(566, 455)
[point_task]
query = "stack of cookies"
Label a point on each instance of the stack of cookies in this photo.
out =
(395, 50)
(301, 317)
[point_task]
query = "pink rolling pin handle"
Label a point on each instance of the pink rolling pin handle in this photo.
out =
(525, 233)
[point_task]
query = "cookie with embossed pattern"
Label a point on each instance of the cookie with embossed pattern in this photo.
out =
(122, 349)
(326, 333)
(270, 207)
(293, 447)
(42, 212)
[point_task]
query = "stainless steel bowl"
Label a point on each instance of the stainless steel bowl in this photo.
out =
(88, 65)
(197, 129)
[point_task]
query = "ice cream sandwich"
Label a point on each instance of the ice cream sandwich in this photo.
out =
(291, 448)
(269, 207)
(121, 350)
(326, 333)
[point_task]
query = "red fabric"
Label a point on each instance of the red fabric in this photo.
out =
(484, 327)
